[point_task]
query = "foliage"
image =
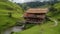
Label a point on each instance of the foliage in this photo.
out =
(10, 13)
(48, 26)
(55, 11)
(7, 9)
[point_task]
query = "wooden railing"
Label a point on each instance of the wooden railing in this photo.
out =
(36, 16)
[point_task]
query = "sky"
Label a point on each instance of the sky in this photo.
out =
(22, 1)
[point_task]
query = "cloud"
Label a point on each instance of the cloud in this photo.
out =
(18, 1)
(22, 1)
(28, 0)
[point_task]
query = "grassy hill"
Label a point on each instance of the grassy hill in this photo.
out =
(9, 13)
(49, 26)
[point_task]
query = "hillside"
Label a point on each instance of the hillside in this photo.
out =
(51, 26)
(47, 28)
(37, 4)
(9, 13)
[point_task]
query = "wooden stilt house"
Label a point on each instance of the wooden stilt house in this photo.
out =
(35, 15)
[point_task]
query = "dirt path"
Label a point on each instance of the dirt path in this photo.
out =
(54, 20)
(13, 29)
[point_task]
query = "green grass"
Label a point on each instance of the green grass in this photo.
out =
(17, 13)
(47, 28)
(15, 10)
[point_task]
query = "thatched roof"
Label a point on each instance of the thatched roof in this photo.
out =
(37, 10)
